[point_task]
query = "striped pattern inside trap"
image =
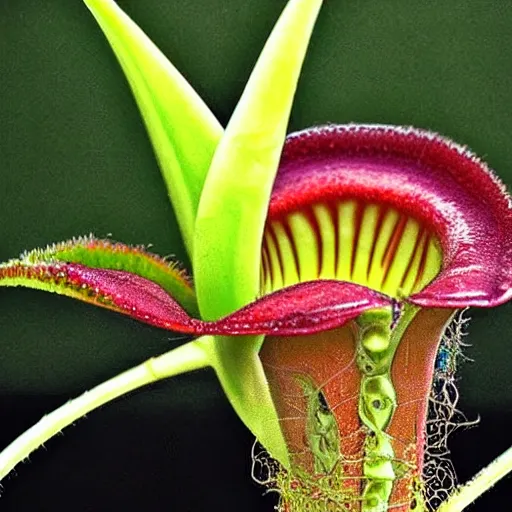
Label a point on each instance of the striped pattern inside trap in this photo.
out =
(368, 244)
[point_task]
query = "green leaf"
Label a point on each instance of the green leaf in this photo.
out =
(234, 202)
(183, 131)
(232, 213)
(46, 269)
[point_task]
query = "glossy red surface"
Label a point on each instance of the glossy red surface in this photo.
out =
(424, 175)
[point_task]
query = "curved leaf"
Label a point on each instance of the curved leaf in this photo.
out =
(234, 202)
(52, 269)
(458, 201)
(304, 308)
(183, 131)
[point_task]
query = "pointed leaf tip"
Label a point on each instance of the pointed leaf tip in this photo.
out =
(30, 270)
(301, 309)
(238, 186)
(182, 129)
(116, 290)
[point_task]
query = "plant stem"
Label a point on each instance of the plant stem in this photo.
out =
(188, 357)
(480, 483)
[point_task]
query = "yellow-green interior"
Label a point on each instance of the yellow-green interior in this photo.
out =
(350, 240)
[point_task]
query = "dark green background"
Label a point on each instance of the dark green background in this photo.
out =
(74, 158)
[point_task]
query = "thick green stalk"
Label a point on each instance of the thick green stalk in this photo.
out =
(238, 367)
(233, 210)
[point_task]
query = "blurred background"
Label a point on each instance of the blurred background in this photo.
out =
(75, 159)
